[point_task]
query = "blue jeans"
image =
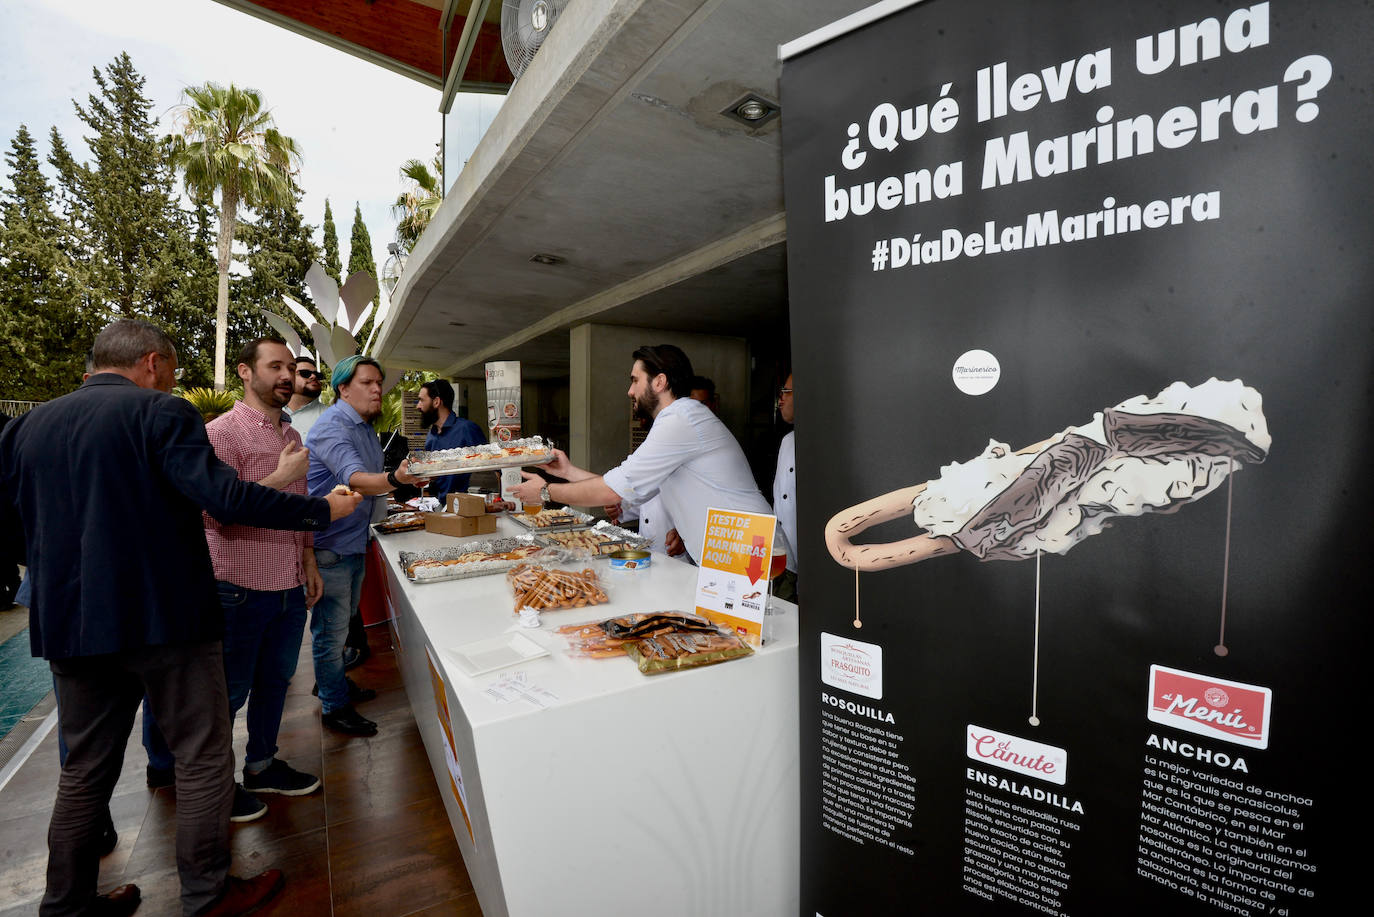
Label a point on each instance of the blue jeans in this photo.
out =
(343, 588)
(262, 641)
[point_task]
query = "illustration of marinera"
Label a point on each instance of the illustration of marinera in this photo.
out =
(1146, 455)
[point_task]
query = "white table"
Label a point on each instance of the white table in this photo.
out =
(669, 794)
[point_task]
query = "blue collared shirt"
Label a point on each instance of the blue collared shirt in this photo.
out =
(342, 443)
(454, 434)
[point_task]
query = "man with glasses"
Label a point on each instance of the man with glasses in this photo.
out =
(305, 407)
(104, 488)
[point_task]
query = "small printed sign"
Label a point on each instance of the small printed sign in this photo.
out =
(736, 561)
(1018, 755)
(852, 665)
(1228, 710)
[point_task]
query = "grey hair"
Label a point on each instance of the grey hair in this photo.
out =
(122, 343)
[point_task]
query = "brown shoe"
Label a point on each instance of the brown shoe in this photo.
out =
(119, 903)
(244, 896)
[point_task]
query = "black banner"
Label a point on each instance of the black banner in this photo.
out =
(1081, 310)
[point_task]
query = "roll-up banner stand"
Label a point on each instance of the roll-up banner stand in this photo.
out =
(503, 413)
(1081, 307)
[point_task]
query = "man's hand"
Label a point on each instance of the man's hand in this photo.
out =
(314, 583)
(341, 505)
(561, 467)
(672, 544)
(292, 465)
(528, 489)
(613, 511)
(403, 474)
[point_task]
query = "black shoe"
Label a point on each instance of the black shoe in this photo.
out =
(247, 807)
(356, 695)
(161, 776)
(352, 658)
(119, 903)
(109, 840)
(281, 778)
(347, 721)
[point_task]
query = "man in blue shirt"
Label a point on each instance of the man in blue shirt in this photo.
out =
(446, 431)
(344, 450)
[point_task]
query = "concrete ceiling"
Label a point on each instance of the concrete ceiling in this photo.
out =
(611, 153)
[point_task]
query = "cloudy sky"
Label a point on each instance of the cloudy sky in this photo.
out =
(355, 122)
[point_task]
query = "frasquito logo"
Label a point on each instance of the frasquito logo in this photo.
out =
(1214, 707)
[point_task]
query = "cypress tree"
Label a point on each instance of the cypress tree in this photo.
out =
(44, 332)
(332, 265)
(360, 259)
(124, 199)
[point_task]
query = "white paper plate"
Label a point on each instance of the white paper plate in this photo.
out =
(484, 656)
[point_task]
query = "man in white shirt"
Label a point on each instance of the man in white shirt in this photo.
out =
(654, 524)
(785, 493)
(689, 458)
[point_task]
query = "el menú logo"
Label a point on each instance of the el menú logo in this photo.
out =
(1214, 707)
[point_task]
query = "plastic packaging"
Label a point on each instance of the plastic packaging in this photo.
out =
(543, 588)
(668, 652)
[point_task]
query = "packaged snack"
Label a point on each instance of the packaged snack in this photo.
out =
(545, 587)
(666, 652)
(606, 639)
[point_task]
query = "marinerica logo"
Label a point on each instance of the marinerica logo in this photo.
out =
(1018, 755)
(1213, 707)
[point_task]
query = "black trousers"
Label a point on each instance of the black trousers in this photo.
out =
(99, 697)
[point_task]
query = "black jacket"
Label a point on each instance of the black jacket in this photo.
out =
(107, 485)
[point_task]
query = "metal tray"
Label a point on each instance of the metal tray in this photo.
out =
(617, 539)
(388, 527)
(496, 463)
(465, 570)
(581, 521)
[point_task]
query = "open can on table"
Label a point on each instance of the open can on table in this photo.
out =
(629, 560)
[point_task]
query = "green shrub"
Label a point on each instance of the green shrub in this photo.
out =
(209, 402)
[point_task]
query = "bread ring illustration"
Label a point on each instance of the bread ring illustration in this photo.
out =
(1145, 455)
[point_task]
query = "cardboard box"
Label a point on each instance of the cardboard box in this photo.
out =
(459, 526)
(467, 504)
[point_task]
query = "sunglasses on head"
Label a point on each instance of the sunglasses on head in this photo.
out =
(308, 373)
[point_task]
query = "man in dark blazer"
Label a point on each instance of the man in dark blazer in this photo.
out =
(107, 486)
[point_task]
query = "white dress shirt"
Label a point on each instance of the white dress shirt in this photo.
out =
(693, 463)
(785, 495)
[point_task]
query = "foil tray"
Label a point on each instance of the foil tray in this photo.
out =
(580, 521)
(473, 568)
(617, 539)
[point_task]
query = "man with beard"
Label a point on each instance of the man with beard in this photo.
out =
(446, 431)
(344, 450)
(689, 457)
(266, 578)
(305, 407)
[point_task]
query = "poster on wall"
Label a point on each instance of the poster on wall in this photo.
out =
(1081, 292)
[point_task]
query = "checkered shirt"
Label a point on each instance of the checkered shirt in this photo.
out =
(268, 560)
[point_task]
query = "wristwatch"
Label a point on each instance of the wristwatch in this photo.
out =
(544, 495)
(391, 479)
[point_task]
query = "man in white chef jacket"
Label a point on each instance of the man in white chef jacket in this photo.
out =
(689, 460)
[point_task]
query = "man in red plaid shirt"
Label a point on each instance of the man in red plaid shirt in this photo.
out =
(267, 578)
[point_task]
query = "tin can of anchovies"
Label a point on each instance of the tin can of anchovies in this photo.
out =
(629, 560)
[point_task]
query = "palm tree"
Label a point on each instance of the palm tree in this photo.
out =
(230, 144)
(417, 204)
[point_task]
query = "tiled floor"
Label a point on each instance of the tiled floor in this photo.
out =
(374, 841)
